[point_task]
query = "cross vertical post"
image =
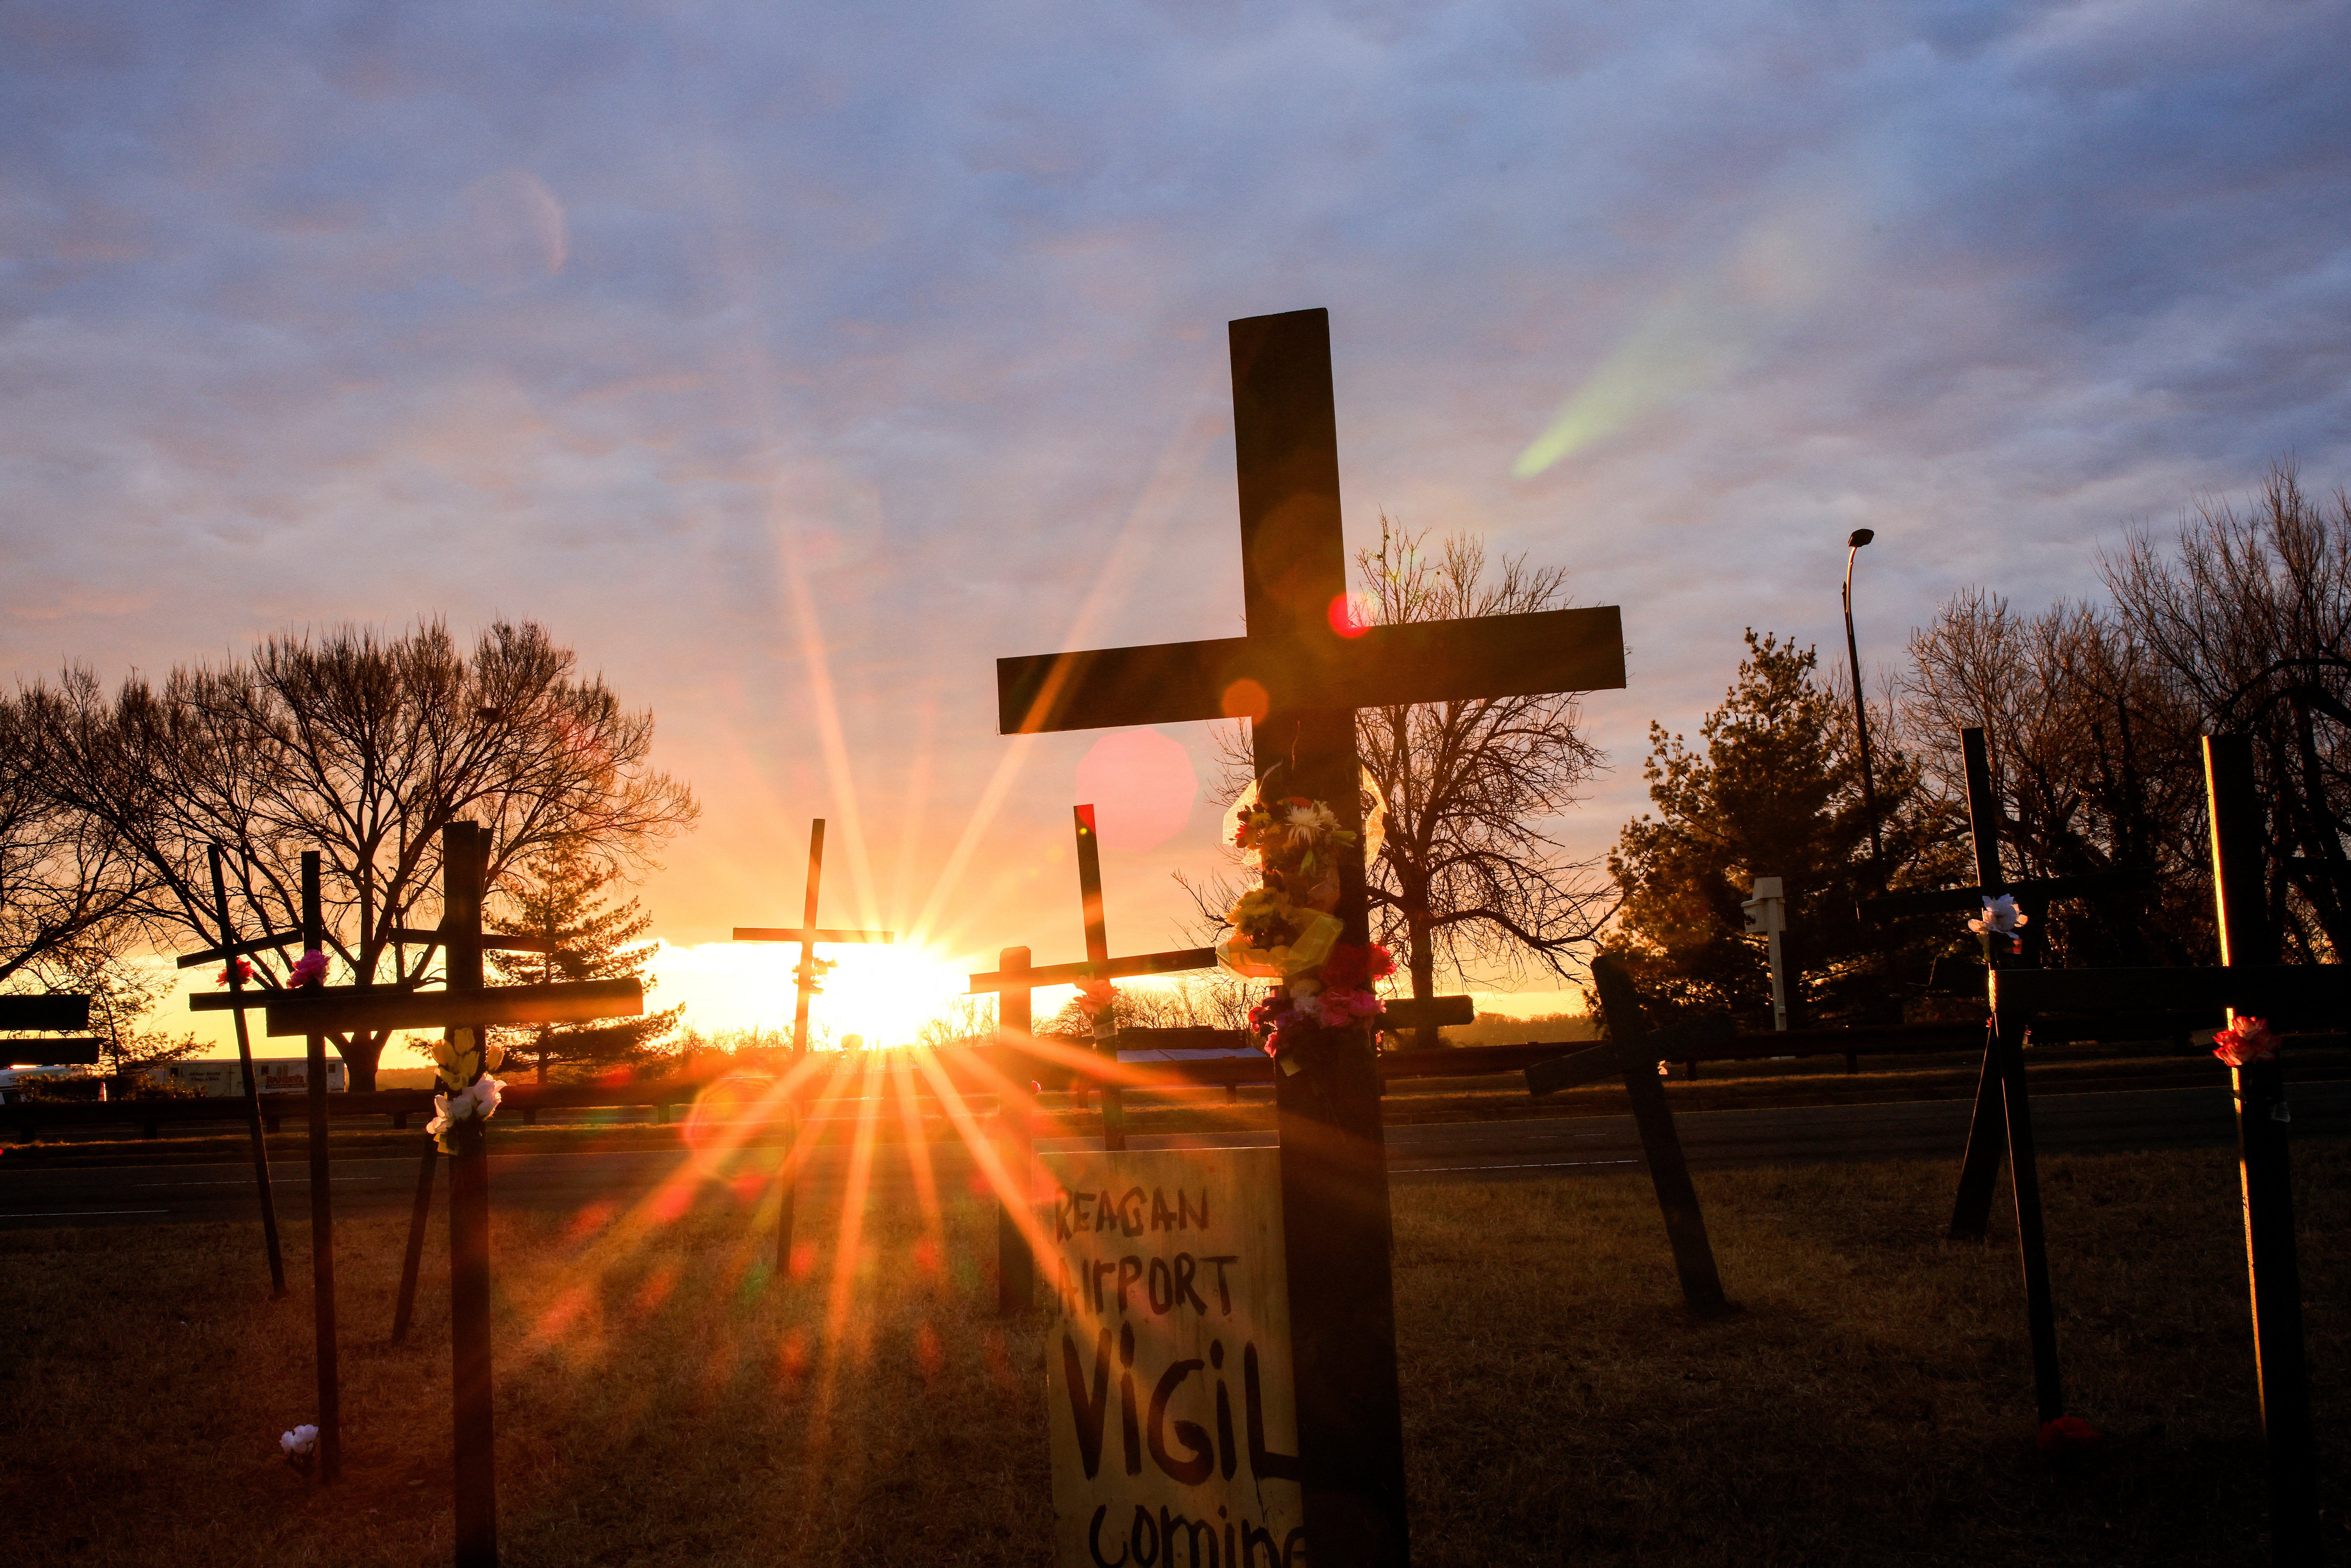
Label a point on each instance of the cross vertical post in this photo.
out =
(2003, 1104)
(2272, 1268)
(252, 1089)
(806, 975)
(465, 865)
(1661, 1144)
(1338, 1229)
(322, 1203)
(1106, 1028)
(1987, 1129)
(804, 984)
(1015, 1271)
(412, 1257)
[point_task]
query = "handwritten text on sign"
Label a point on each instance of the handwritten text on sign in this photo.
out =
(1174, 1427)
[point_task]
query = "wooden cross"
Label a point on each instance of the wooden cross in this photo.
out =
(2249, 985)
(2002, 1120)
(807, 980)
(1989, 1128)
(464, 1005)
(49, 1011)
(1298, 681)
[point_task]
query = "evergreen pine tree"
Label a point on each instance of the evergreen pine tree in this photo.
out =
(1776, 793)
(563, 900)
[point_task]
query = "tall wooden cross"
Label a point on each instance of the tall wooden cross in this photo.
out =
(2250, 985)
(1992, 1130)
(807, 980)
(1298, 681)
(464, 1007)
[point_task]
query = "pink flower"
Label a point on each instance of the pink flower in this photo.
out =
(311, 969)
(1350, 965)
(2249, 1043)
(1340, 1008)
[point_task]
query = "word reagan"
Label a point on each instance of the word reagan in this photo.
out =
(1138, 1211)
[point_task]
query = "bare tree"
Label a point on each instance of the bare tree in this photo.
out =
(2250, 625)
(1467, 874)
(70, 888)
(363, 749)
(2092, 763)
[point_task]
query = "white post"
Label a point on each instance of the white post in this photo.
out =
(1766, 912)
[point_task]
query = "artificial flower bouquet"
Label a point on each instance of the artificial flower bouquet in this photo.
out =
(1285, 929)
(462, 1066)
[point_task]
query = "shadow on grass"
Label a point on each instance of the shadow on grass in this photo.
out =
(663, 1400)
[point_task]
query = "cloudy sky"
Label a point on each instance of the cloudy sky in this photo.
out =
(793, 362)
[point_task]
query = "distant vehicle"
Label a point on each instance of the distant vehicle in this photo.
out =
(15, 1080)
(224, 1078)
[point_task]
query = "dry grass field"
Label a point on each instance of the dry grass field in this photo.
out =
(663, 1401)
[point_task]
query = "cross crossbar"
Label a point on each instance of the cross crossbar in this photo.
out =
(57, 1050)
(47, 1011)
(2261, 990)
(431, 936)
(1169, 963)
(1382, 666)
(803, 934)
(235, 949)
(576, 1001)
(2048, 890)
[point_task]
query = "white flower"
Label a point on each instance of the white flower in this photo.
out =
(480, 1100)
(1310, 821)
(2001, 918)
(301, 1441)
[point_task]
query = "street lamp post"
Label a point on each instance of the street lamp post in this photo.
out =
(1860, 537)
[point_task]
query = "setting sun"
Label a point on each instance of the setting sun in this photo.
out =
(884, 994)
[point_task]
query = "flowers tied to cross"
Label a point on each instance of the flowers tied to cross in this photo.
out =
(301, 1447)
(462, 1065)
(811, 972)
(1336, 996)
(2001, 918)
(476, 1101)
(309, 969)
(2248, 1042)
(1098, 1004)
(237, 972)
(1287, 929)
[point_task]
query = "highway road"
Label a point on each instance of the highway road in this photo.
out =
(1417, 1152)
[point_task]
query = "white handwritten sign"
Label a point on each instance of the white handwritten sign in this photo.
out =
(1174, 1424)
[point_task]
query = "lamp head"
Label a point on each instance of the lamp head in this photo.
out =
(1860, 538)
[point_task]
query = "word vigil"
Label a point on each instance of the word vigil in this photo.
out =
(1149, 1431)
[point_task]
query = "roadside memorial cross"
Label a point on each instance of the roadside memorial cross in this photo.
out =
(1989, 1129)
(463, 1009)
(1298, 675)
(2255, 994)
(808, 980)
(2004, 1106)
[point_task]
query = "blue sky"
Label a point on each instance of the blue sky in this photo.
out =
(792, 363)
